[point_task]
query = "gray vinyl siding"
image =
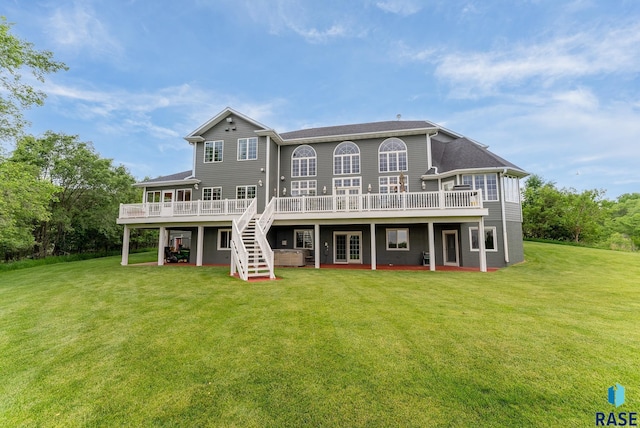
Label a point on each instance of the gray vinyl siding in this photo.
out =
(231, 172)
(274, 178)
(416, 155)
(513, 211)
(430, 186)
(514, 239)
(418, 242)
(495, 210)
(283, 238)
(210, 253)
(472, 258)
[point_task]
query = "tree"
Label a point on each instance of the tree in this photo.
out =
(561, 214)
(583, 214)
(542, 207)
(625, 219)
(89, 190)
(15, 95)
(24, 201)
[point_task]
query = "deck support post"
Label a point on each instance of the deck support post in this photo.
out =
(162, 242)
(125, 246)
(316, 240)
(432, 247)
(373, 247)
(481, 245)
(199, 246)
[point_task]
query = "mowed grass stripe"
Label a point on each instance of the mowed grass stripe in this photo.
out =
(92, 343)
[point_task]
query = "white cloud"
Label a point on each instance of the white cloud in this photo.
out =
(313, 24)
(579, 98)
(602, 51)
(573, 131)
(79, 29)
(400, 7)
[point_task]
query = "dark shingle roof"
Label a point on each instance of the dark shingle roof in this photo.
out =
(360, 128)
(465, 154)
(173, 177)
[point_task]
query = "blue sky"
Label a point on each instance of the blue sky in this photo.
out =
(552, 86)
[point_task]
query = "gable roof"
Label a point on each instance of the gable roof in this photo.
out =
(184, 177)
(464, 154)
(197, 134)
(359, 130)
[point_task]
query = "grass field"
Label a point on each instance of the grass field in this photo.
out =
(92, 343)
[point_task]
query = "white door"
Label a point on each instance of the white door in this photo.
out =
(347, 247)
(166, 210)
(450, 247)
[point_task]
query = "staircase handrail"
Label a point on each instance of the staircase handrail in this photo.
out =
(239, 254)
(247, 215)
(266, 218)
(267, 252)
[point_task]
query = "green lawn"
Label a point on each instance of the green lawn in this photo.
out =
(92, 343)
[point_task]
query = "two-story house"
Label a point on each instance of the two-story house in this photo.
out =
(382, 193)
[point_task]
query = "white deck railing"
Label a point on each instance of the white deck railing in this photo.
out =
(457, 199)
(380, 202)
(191, 208)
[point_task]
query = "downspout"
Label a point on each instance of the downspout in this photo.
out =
(193, 171)
(504, 218)
(429, 161)
(266, 178)
(429, 155)
(278, 176)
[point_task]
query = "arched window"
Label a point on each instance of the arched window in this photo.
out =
(392, 155)
(346, 159)
(303, 162)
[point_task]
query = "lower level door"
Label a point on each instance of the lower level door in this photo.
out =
(347, 247)
(166, 209)
(450, 247)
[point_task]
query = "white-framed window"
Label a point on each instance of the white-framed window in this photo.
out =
(248, 148)
(490, 243)
(213, 151)
(392, 155)
(391, 184)
(224, 239)
(511, 189)
(353, 183)
(245, 192)
(448, 185)
(303, 239)
(303, 187)
(398, 239)
(303, 162)
(488, 183)
(346, 158)
(212, 193)
(183, 195)
(153, 196)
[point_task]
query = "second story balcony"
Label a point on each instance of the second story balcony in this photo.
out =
(368, 205)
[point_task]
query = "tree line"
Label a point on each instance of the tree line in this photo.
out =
(58, 196)
(581, 217)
